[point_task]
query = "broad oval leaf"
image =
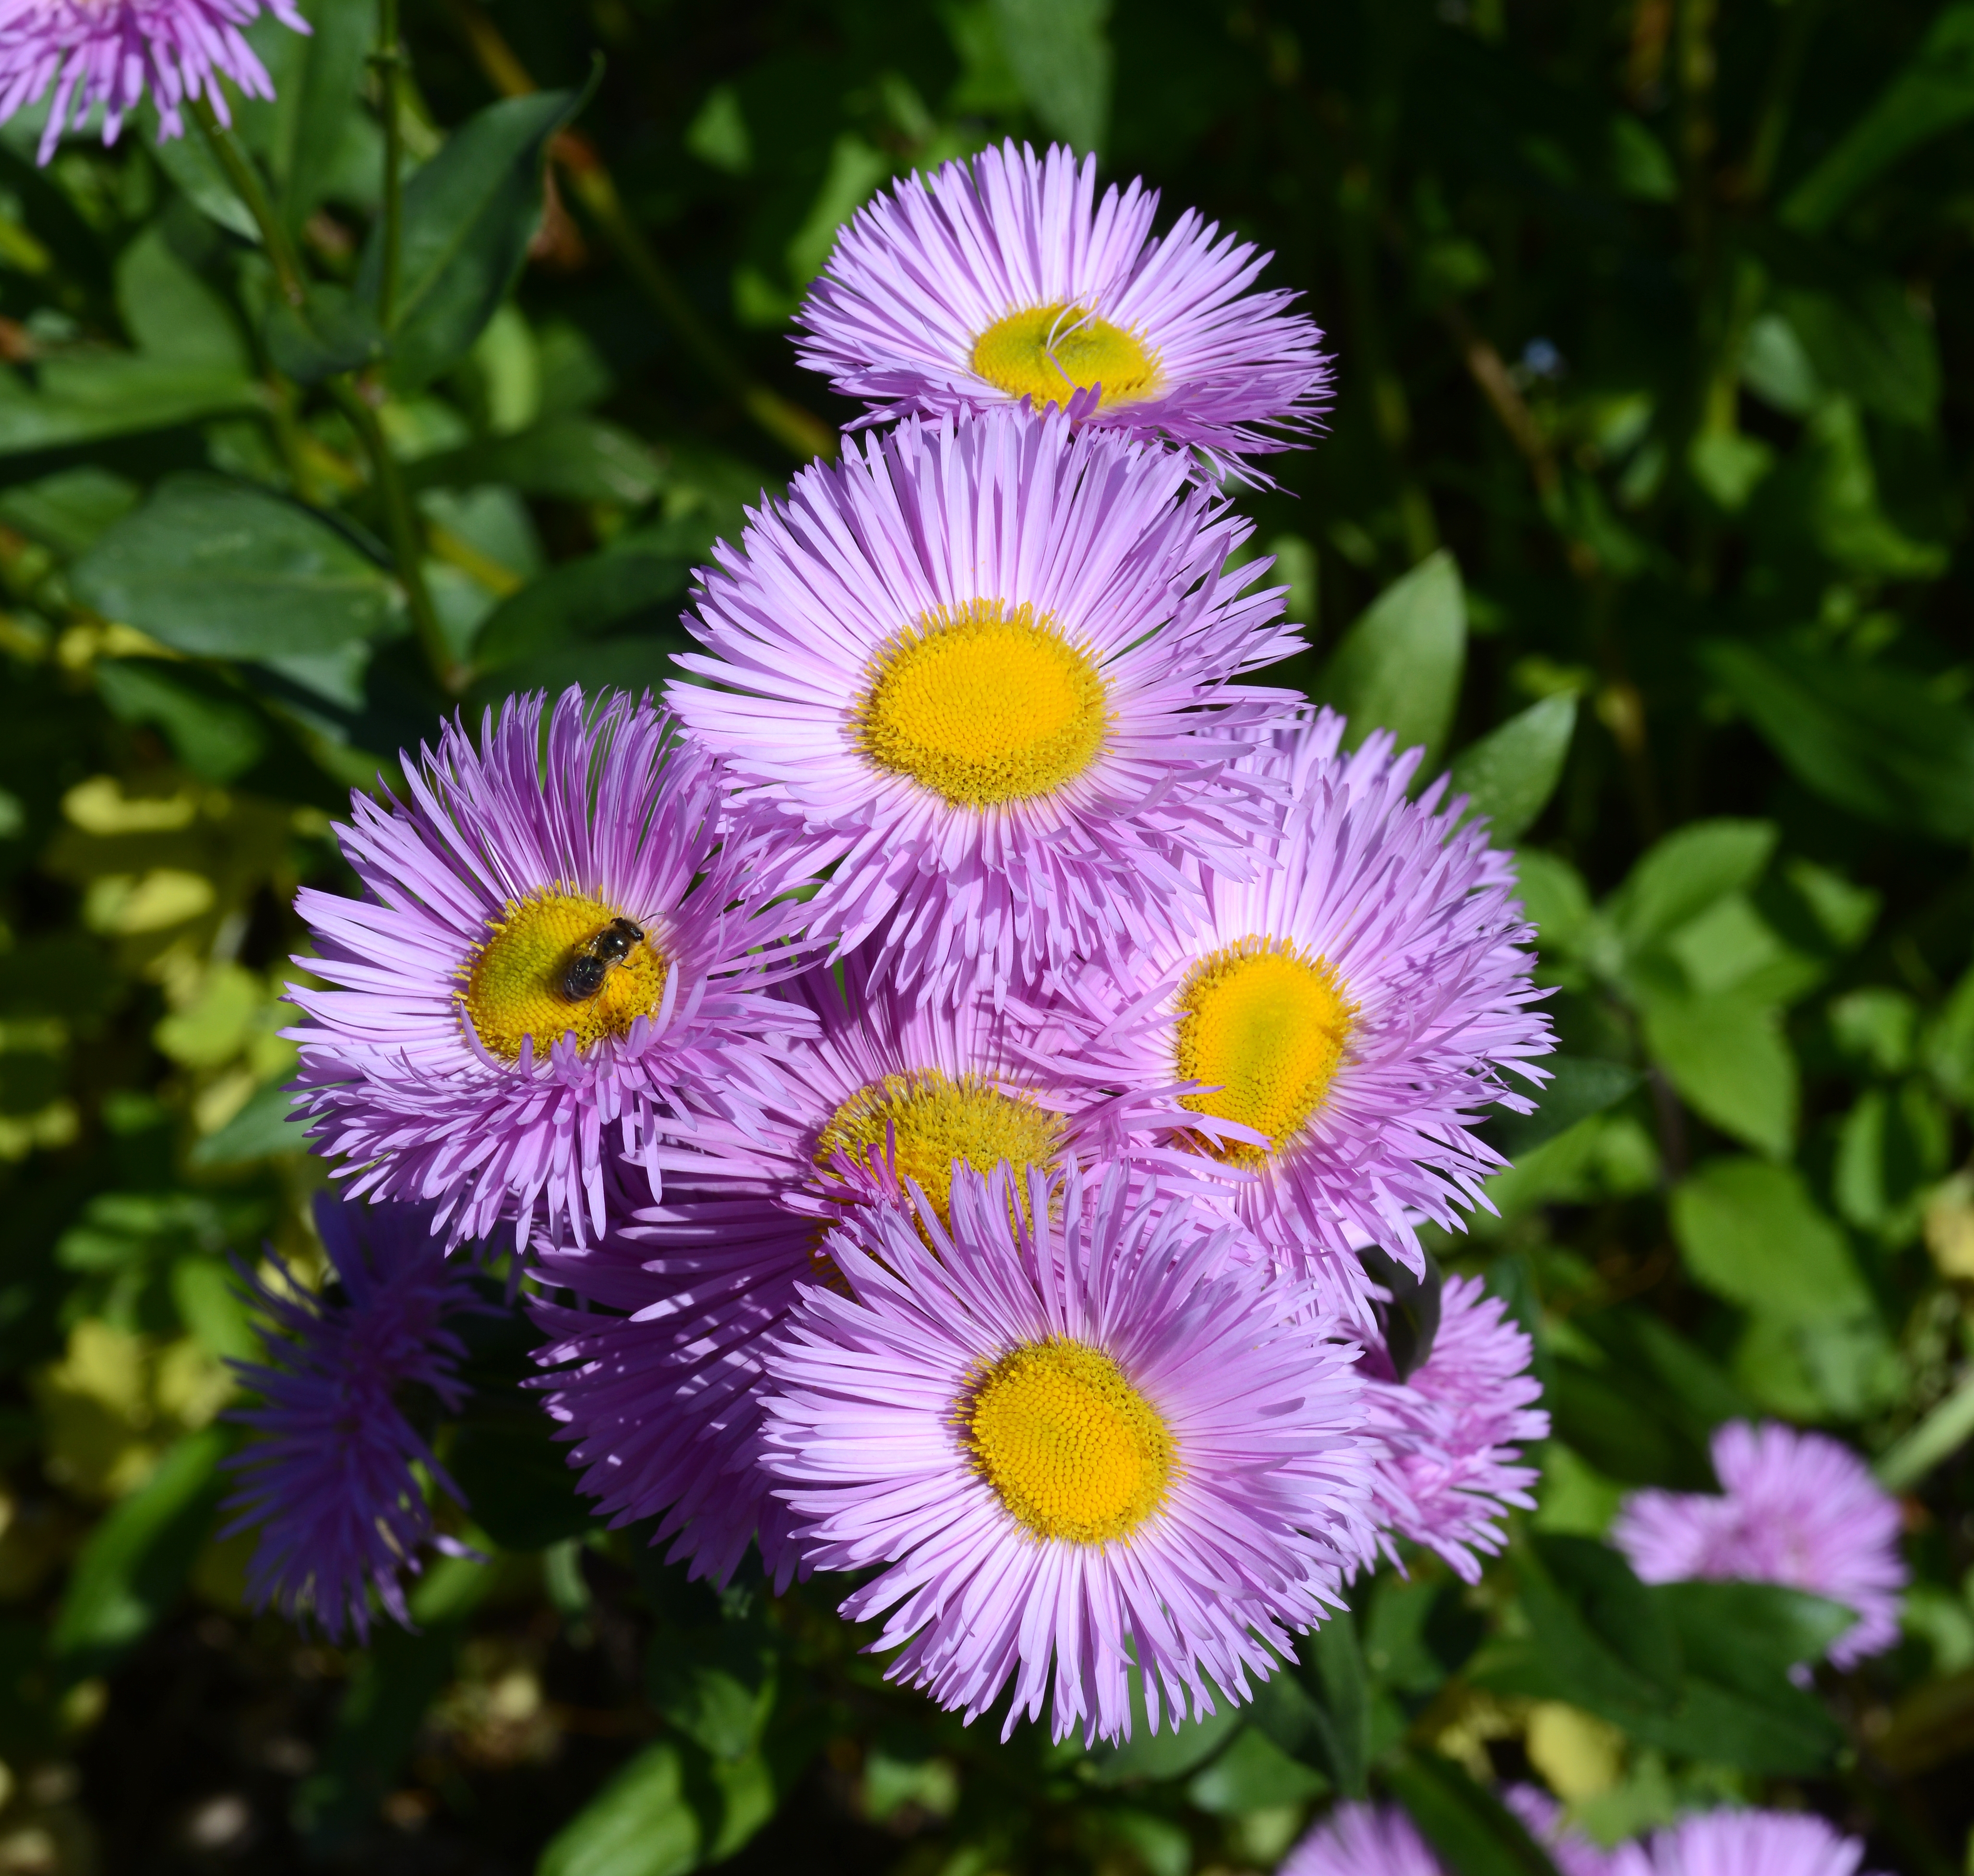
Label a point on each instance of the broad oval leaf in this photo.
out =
(1750, 1232)
(1512, 771)
(1398, 668)
(222, 569)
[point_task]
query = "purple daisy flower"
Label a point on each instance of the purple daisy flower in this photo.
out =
(1357, 1839)
(1001, 280)
(550, 946)
(1454, 1430)
(331, 1483)
(1743, 1843)
(1348, 1009)
(662, 1398)
(981, 671)
(1796, 1508)
(110, 52)
(1099, 1439)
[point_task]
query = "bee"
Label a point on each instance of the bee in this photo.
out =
(597, 957)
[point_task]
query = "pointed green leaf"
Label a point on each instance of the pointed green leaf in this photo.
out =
(1398, 667)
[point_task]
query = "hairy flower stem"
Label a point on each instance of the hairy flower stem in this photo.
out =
(401, 518)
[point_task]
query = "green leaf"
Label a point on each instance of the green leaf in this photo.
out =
(1619, 1609)
(1681, 876)
(1254, 1774)
(1876, 741)
(1473, 1832)
(571, 457)
(86, 398)
(170, 314)
(1172, 1751)
(328, 333)
(223, 570)
(267, 1127)
(190, 163)
(1579, 1086)
(1748, 1635)
(1398, 667)
(469, 215)
(671, 1810)
(215, 734)
(579, 599)
(1555, 897)
(67, 510)
(1061, 58)
(1332, 1672)
(326, 106)
(717, 1686)
(1932, 94)
(1750, 1232)
(1732, 1064)
(1867, 341)
(136, 1562)
(1512, 771)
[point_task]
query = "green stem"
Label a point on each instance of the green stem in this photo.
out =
(246, 184)
(401, 518)
(388, 60)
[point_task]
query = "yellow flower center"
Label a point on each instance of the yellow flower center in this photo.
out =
(532, 976)
(1047, 354)
(1073, 1449)
(934, 1120)
(1266, 1027)
(984, 706)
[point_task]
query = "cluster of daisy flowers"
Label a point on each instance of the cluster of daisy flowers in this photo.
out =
(952, 1073)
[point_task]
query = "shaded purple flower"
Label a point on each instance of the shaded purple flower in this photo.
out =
(111, 52)
(981, 673)
(1795, 1508)
(1363, 1840)
(1358, 1839)
(662, 1395)
(1345, 1013)
(1107, 1437)
(1001, 279)
(1454, 1430)
(555, 947)
(333, 1482)
(1743, 1843)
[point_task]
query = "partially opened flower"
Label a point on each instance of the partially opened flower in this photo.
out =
(1348, 1010)
(1001, 279)
(1454, 1429)
(111, 52)
(1066, 1445)
(334, 1482)
(981, 673)
(662, 1396)
(1743, 1843)
(555, 946)
(1795, 1508)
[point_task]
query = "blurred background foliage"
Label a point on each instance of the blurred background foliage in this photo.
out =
(1643, 502)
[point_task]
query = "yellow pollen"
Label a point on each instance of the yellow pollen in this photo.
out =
(517, 981)
(1266, 1027)
(983, 705)
(934, 1120)
(1047, 354)
(1073, 1449)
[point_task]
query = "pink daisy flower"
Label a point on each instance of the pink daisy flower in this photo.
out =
(1454, 1428)
(1795, 1508)
(110, 52)
(662, 1396)
(1357, 1839)
(1001, 280)
(1346, 1012)
(1064, 1447)
(546, 949)
(1743, 1843)
(980, 671)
